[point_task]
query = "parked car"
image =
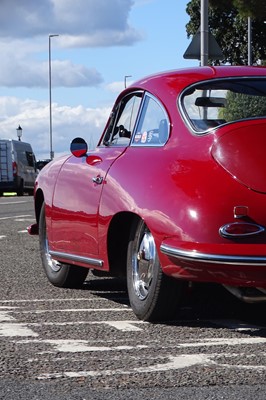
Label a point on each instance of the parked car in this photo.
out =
(17, 167)
(175, 191)
(41, 163)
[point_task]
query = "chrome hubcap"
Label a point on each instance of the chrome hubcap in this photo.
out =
(143, 264)
(53, 264)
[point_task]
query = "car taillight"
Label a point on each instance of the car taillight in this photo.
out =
(240, 229)
(15, 168)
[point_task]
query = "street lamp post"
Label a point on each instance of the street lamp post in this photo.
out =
(19, 132)
(50, 98)
(125, 80)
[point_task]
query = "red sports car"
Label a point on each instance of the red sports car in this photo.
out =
(175, 191)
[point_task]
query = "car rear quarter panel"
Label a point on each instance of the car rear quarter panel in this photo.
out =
(180, 191)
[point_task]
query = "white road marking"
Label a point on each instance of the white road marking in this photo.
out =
(120, 325)
(75, 310)
(2, 236)
(208, 343)
(49, 300)
(13, 202)
(4, 316)
(16, 216)
(224, 341)
(249, 367)
(124, 326)
(23, 333)
(23, 231)
(13, 329)
(82, 346)
(24, 219)
(178, 362)
(174, 363)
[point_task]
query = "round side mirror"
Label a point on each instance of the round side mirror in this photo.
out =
(79, 147)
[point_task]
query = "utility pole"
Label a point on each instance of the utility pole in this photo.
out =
(50, 96)
(204, 33)
(249, 41)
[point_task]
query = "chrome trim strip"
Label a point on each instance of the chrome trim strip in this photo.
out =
(212, 258)
(72, 257)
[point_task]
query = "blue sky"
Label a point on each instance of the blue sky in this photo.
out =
(100, 42)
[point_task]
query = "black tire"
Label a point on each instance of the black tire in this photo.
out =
(153, 295)
(30, 192)
(59, 274)
(20, 189)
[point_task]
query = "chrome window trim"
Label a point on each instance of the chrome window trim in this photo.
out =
(116, 109)
(182, 110)
(132, 144)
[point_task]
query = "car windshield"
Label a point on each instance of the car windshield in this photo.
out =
(210, 104)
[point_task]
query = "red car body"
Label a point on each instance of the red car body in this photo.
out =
(201, 191)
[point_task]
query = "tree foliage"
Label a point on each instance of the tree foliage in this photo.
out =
(241, 106)
(246, 8)
(228, 24)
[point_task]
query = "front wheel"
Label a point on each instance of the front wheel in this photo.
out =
(59, 274)
(153, 295)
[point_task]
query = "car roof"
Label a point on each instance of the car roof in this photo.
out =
(181, 78)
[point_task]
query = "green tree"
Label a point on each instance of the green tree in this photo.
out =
(241, 106)
(228, 24)
(246, 8)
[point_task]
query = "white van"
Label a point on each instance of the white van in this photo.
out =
(17, 167)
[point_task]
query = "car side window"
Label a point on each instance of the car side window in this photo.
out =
(122, 121)
(30, 158)
(153, 124)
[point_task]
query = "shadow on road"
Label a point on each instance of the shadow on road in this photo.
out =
(202, 304)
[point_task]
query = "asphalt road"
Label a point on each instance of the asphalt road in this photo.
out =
(60, 344)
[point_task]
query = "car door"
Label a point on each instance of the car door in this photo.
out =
(81, 180)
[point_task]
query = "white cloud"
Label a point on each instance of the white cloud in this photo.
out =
(101, 38)
(20, 71)
(95, 21)
(79, 23)
(115, 87)
(24, 29)
(67, 74)
(68, 122)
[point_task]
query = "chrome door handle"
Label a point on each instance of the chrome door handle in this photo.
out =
(98, 180)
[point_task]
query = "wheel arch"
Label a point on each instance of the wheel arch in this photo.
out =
(117, 241)
(39, 199)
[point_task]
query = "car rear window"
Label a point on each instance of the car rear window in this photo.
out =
(213, 103)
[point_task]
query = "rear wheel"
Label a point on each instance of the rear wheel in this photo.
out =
(59, 274)
(153, 295)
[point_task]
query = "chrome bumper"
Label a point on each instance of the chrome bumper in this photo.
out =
(195, 256)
